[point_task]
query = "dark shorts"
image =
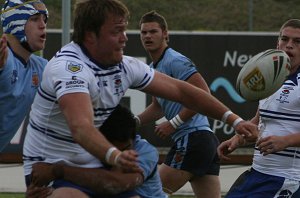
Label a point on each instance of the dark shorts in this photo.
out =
(254, 184)
(62, 183)
(196, 153)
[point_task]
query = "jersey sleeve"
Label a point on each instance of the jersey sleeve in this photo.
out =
(67, 77)
(140, 73)
(148, 157)
(183, 68)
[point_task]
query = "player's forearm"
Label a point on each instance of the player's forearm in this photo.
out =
(293, 140)
(186, 114)
(100, 180)
(151, 113)
(210, 106)
(94, 142)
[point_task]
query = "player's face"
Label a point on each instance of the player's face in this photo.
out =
(111, 40)
(289, 42)
(35, 31)
(153, 37)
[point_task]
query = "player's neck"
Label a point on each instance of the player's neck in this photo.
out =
(156, 54)
(16, 46)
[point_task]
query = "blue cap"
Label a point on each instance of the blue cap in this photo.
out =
(15, 14)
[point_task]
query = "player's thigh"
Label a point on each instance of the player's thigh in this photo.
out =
(206, 186)
(67, 192)
(173, 179)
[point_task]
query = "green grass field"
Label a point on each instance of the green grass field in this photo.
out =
(12, 195)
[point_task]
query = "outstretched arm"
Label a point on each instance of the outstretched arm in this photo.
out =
(197, 100)
(166, 128)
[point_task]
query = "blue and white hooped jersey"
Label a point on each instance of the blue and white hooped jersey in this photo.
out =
(180, 67)
(280, 116)
(72, 71)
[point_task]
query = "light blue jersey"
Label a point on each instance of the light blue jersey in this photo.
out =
(18, 85)
(148, 159)
(180, 67)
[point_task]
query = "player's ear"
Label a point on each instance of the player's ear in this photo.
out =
(166, 35)
(90, 37)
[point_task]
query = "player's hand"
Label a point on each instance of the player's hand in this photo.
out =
(33, 191)
(42, 174)
(228, 146)
(127, 161)
(247, 129)
(3, 50)
(271, 144)
(164, 129)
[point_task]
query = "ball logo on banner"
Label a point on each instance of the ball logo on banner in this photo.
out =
(263, 74)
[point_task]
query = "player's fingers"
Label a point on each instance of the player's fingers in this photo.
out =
(127, 160)
(223, 155)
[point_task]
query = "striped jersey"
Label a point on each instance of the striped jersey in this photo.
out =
(280, 116)
(71, 70)
(180, 67)
(19, 82)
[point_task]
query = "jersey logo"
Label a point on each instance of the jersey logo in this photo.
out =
(118, 85)
(74, 67)
(14, 77)
(285, 194)
(35, 79)
(284, 95)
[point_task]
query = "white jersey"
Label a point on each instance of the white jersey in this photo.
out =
(48, 137)
(280, 116)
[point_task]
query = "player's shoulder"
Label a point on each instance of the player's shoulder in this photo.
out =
(71, 55)
(38, 58)
(144, 147)
(129, 60)
(71, 51)
(175, 56)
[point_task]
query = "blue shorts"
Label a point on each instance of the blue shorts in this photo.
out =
(253, 184)
(62, 183)
(196, 153)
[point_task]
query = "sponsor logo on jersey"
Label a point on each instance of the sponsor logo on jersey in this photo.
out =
(75, 84)
(73, 67)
